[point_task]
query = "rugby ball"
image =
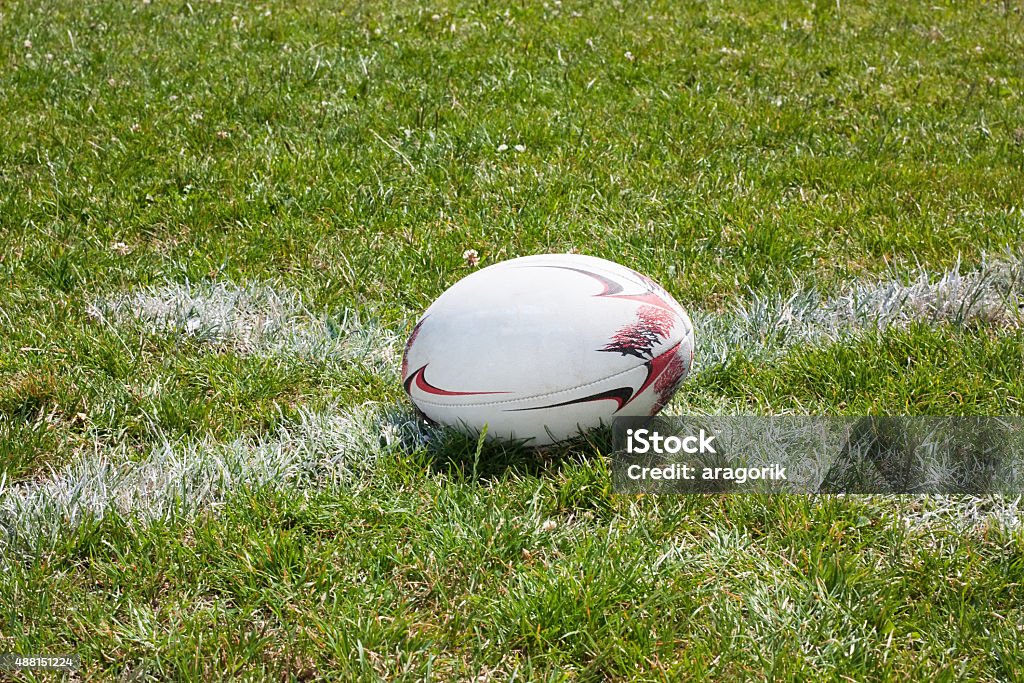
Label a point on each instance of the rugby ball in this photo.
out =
(542, 348)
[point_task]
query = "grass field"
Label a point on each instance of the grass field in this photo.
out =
(219, 221)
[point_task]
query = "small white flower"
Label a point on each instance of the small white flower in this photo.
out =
(435, 17)
(520, 148)
(136, 127)
(549, 525)
(27, 44)
(629, 56)
(502, 147)
(471, 257)
(49, 56)
(223, 134)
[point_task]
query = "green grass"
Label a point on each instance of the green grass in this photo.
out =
(457, 577)
(921, 370)
(351, 153)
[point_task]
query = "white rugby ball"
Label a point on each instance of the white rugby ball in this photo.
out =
(542, 348)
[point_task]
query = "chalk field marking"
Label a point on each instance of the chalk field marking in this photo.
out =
(341, 447)
(253, 319)
(337, 448)
(993, 293)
